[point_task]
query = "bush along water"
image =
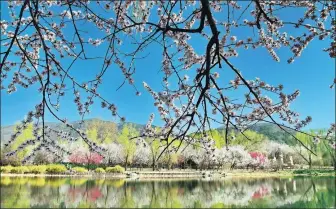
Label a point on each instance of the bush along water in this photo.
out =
(56, 169)
(80, 170)
(115, 169)
(100, 170)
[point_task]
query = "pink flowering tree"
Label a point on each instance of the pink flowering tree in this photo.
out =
(94, 158)
(77, 157)
(42, 41)
(84, 157)
(259, 158)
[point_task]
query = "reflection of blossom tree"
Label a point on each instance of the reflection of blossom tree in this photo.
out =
(273, 192)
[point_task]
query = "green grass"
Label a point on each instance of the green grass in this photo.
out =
(314, 171)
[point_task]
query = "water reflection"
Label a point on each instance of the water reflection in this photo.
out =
(305, 192)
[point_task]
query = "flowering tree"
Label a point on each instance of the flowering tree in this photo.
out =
(259, 159)
(114, 154)
(142, 156)
(85, 157)
(44, 157)
(94, 158)
(234, 156)
(43, 40)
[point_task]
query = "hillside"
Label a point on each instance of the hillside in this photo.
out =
(273, 132)
(6, 131)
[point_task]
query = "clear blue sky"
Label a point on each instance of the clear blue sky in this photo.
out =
(312, 74)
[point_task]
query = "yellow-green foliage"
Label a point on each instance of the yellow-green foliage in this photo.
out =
(56, 182)
(115, 183)
(20, 181)
(115, 169)
(129, 146)
(37, 181)
(6, 169)
(92, 133)
(55, 168)
(218, 137)
(26, 134)
(256, 139)
(99, 181)
(37, 169)
(100, 170)
(5, 181)
(80, 170)
(78, 181)
(20, 169)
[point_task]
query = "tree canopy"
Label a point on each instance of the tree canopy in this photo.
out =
(43, 40)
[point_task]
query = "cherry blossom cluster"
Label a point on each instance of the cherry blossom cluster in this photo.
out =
(40, 40)
(209, 146)
(149, 131)
(331, 137)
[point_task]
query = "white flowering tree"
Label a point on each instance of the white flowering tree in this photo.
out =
(114, 154)
(238, 157)
(142, 156)
(42, 41)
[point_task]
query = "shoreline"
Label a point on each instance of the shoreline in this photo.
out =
(179, 174)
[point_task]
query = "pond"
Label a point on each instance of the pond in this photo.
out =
(58, 192)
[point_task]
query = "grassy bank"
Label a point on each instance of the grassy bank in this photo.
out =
(58, 169)
(119, 172)
(282, 173)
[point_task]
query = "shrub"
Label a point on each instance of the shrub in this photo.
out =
(55, 168)
(6, 169)
(80, 170)
(37, 169)
(20, 169)
(312, 171)
(301, 171)
(100, 170)
(115, 169)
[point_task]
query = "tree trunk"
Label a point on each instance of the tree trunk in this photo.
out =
(169, 165)
(153, 164)
(126, 162)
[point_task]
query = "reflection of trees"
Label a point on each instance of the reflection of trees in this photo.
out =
(16, 196)
(270, 192)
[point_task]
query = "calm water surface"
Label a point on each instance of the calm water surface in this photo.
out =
(298, 192)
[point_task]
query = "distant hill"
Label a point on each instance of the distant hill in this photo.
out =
(7, 131)
(272, 131)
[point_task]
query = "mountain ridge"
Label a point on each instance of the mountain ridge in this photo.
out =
(271, 131)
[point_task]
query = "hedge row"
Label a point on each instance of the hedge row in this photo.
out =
(35, 169)
(56, 169)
